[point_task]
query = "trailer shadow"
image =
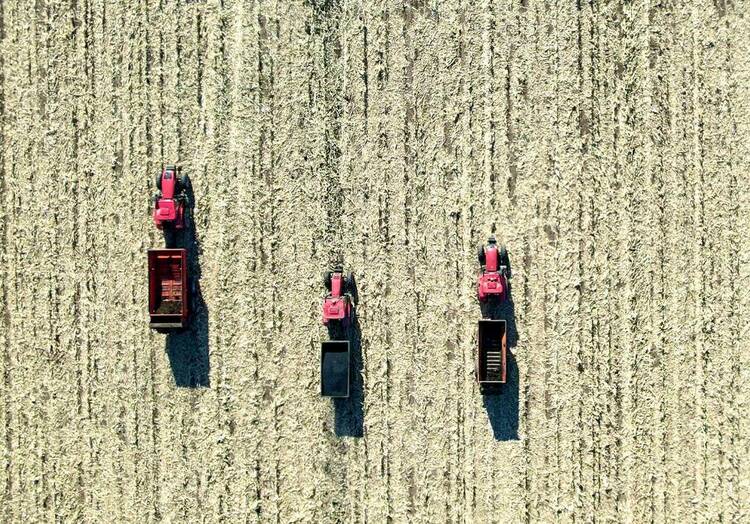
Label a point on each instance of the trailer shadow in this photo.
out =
(188, 349)
(502, 405)
(348, 412)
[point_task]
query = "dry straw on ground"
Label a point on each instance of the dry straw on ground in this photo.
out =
(605, 142)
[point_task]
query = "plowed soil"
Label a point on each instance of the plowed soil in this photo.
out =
(607, 144)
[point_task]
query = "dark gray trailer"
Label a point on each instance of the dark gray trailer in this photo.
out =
(335, 365)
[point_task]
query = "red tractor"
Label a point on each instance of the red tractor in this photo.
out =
(171, 199)
(337, 305)
(492, 283)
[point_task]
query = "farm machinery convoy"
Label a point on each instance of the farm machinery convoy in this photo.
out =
(170, 288)
(335, 355)
(492, 291)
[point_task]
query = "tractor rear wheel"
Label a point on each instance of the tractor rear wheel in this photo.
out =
(349, 283)
(504, 258)
(327, 280)
(480, 254)
(184, 182)
(158, 181)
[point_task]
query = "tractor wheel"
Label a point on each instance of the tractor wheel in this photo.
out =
(158, 181)
(184, 182)
(349, 283)
(327, 280)
(504, 258)
(480, 254)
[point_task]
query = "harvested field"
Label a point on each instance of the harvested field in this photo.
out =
(606, 143)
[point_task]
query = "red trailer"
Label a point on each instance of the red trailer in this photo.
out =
(168, 290)
(491, 354)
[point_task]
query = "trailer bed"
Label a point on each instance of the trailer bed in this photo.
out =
(334, 368)
(167, 288)
(491, 354)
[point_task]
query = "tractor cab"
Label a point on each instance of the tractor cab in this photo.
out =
(495, 271)
(170, 199)
(337, 305)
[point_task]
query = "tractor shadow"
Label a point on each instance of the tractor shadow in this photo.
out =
(188, 349)
(502, 405)
(348, 412)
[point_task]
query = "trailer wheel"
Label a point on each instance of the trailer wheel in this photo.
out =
(480, 254)
(193, 296)
(327, 280)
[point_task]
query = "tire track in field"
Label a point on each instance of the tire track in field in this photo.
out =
(5, 323)
(375, 282)
(737, 67)
(356, 191)
(341, 83)
(109, 374)
(268, 63)
(153, 78)
(420, 348)
(138, 174)
(584, 448)
(603, 412)
(636, 251)
(241, 365)
(563, 235)
(741, 115)
(699, 271)
(660, 55)
(84, 250)
(64, 480)
(27, 329)
(718, 309)
(463, 129)
(221, 204)
(683, 292)
(381, 226)
(413, 246)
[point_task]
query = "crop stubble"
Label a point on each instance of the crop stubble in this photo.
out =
(607, 144)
